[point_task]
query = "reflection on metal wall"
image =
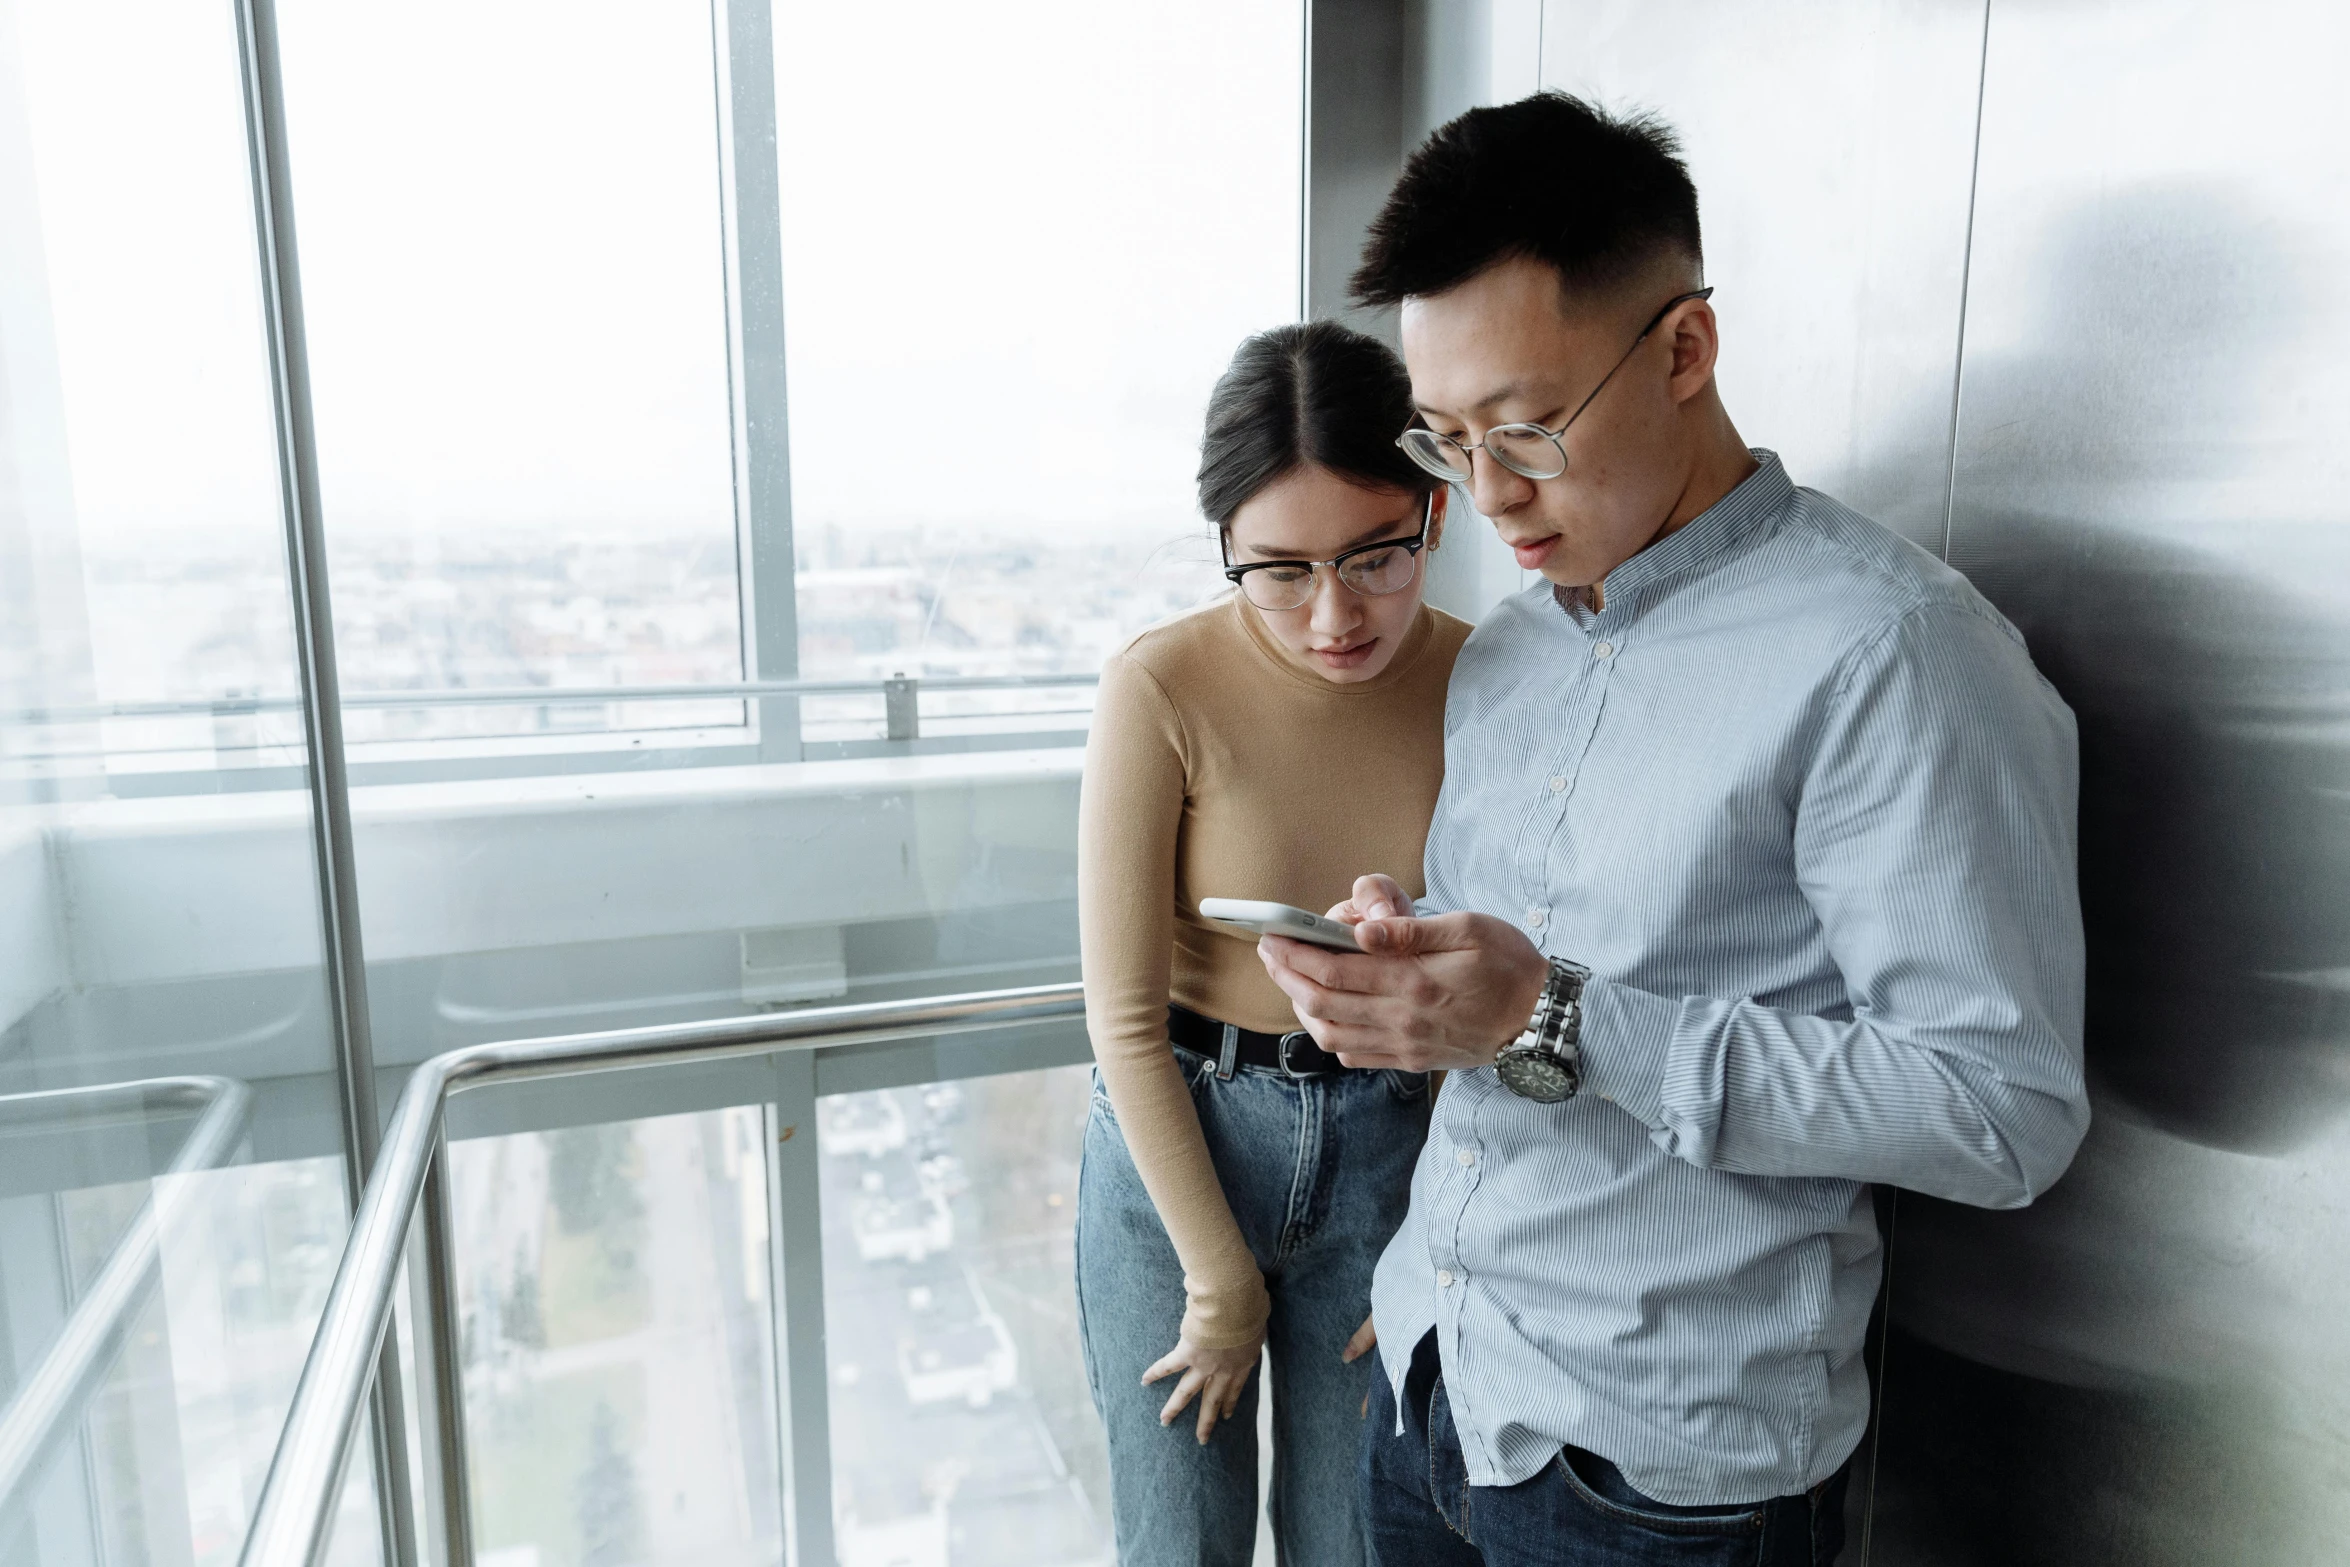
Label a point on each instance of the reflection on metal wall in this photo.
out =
(2148, 1367)
(1831, 142)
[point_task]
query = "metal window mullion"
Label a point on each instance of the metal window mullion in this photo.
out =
(344, 958)
(795, 1261)
(750, 202)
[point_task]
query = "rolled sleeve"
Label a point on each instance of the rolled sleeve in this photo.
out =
(1935, 843)
(1628, 1038)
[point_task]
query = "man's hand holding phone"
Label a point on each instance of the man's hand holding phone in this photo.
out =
(1425, 995)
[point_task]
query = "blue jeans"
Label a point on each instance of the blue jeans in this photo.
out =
(1579, 1511)
(1318, 1172)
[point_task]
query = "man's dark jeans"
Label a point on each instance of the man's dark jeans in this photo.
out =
(1578, 1512)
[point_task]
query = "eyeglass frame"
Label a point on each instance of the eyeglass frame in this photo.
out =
(1413, 546)
(1466, 448)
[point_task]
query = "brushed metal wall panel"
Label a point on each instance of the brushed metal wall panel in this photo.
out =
(2149, 1367)
(1832, 143)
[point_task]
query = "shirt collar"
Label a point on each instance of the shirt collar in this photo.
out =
(1742, 514)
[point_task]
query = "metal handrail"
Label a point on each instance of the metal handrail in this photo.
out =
(50, 1401)
(290, 1524)
(537, 696)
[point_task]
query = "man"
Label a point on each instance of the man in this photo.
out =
(1751, 883)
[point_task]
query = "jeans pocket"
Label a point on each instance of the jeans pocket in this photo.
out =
(1197, 1072)
(1729, 1523)
(1410, 1087)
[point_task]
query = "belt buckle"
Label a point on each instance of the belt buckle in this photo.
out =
(1281, 1053)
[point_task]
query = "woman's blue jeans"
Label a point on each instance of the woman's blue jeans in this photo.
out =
(1318, 1172)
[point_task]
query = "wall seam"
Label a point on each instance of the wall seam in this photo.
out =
(1305, 162)
(1966, 277)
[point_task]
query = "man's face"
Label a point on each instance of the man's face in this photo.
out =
(1503, 348)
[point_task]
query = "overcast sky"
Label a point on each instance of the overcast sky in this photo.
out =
(1020, 242)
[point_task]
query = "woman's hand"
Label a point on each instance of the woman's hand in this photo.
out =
(1217, 1377)
(1365, 1340)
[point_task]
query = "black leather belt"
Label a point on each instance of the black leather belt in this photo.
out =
(1294, 1054)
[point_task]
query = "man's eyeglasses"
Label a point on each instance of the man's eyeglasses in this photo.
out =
(1372, 570)
(1527, 450)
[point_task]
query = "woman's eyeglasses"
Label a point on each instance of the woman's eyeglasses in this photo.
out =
(1372, 570)
(1527, 450)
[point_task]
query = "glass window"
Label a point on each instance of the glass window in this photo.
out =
(1017, 249)
(138, 412)
(962, 1430)
(1019, 245)
(613, 1291)
(512, 262)
(997, 232)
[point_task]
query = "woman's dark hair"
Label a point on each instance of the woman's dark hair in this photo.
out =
(1318, 393)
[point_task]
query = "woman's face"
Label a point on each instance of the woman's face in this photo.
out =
(1313, 514)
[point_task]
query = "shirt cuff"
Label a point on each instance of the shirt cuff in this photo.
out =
(1627, 1043)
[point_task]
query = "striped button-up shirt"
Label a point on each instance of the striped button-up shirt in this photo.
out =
(1798, 798)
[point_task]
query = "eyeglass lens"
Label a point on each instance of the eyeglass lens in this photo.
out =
(1524, 449)
(1372, 574)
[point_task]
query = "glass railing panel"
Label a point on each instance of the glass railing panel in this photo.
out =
(962, 1428)
(161, 1458)
(614, 1290)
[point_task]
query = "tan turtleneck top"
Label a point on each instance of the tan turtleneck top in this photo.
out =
(1218, 768)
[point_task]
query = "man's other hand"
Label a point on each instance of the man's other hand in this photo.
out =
(1439, 994)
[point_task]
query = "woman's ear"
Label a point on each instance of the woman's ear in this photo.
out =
(1438, 504)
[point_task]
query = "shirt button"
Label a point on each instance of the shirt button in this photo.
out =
(1444, 1278)
(1604, 650)
(1535, 917)
(1557, 783)
(1466, 1157)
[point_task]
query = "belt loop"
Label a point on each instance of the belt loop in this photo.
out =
(1231, 1053)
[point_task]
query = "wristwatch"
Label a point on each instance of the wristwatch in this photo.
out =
(1545, 1062)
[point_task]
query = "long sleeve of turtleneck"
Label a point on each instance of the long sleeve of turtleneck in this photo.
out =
(1217, 768)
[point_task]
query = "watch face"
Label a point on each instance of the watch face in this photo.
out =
(1534, 1074)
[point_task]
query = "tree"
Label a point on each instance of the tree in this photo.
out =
(611, 1522)
(588, 1175)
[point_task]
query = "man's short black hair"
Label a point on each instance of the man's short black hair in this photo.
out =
(1599, 197)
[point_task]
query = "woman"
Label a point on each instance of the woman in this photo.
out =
(1269, 746)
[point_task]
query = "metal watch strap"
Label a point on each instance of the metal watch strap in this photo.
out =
(1545, 1060)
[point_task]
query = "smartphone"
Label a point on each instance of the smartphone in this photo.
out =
(1279, 919)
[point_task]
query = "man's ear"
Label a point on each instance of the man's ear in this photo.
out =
(1696, 344)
